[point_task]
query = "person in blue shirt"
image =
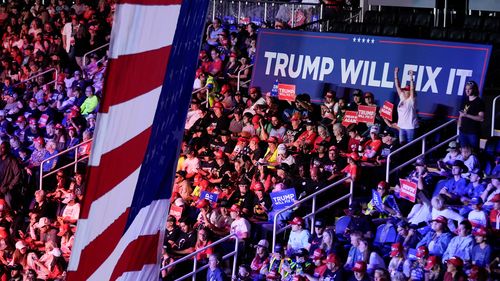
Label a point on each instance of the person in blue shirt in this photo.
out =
(214, 272)
(50, 151)
(462, 244)
(481, 253)
(438, 238)
(455, 187)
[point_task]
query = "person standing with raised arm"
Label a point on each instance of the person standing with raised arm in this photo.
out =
(407, 109)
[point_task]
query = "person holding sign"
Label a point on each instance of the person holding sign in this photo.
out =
(407, 109)
(382, 203)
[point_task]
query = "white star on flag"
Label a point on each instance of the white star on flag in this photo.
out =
(364, 40)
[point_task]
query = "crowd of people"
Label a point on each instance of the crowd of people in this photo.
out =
(240, 146)
(50, 96)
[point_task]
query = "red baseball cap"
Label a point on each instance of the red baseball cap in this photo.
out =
(202, 203)
(295, 118)
(396, 249)
(318, 254)
(39, 140)
(431, 262)
(359, 266)
(258, 186)
(297, 221)
(21, 119)
(353, 155)
(383, 184)
(219, 154)
(272, 140)
(218, 105)
(456, 261)
(482, 231)
(333, 258)
(233, 55)
(422, 251)
(496, 198)
(255, 139)
(32, 121)
(235, 208)
(225, 88)
(255, 119)
(407, 88)
(441, 219)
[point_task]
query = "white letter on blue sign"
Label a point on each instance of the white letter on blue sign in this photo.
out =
(431, 83)
(310, 67)
(349, 71)
(269, 56)
(295, 73)
(281, 64)
(327, 65)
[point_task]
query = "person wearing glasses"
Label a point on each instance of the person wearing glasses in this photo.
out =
(471, 116)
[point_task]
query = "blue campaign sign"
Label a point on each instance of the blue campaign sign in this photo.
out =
(316, 62)
(283, 199)
(377, 201)
(212, 197)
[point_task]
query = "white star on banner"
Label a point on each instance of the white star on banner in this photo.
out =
(354, 39)
(364, 40)
(373, 41)
(359, 39)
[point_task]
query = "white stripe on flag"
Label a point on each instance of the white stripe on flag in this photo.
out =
(148, 272)
(103, 212)
(147, 222)
(139, 28)
(136, 114)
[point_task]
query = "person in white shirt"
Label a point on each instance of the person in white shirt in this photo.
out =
(477, 216)
(71, 211)
(299, 237)
(240, 226)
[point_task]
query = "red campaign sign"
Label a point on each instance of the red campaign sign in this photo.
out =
(176, 211)
(286, 92)
(386, 110)
(245, 20)
(408, 190)
(366, 114)
(350, 117)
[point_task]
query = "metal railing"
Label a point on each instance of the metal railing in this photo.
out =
(38, 75)
(239, 76)
(75, 162)
(389, 171)
(314, 211)
(195, 261)
(92, 51)
(245, 11)
(494, 115)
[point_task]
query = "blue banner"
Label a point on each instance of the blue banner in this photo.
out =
(317, 62)
(283, 199)
(377, 201)
(212, 197)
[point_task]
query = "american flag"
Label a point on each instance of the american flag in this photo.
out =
(153, 53)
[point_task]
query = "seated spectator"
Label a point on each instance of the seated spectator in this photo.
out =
(408, 236)
(477, 216)
(438, 238)
(434, 269)
(299, 237)
(319, 266)
(454, 269)
(334, 269)
(470, 160)
(260, 262)
(389, 205)
(439, 209)
(396, 263)
(491, 191)
(354, 254)
(186, 241)
(455, 187)
(71, 211)
(417, 268)
(462, 244)
(202, 242)
(360, 273)
(481, 252)
(240, 226)
(372, 259)
(494, 218)
(214, 272)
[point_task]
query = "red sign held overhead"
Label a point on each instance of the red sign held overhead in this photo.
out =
(286, 92)
(408, 190)
(386, 110)
(176, 211)
(366, 114)
(350, 117)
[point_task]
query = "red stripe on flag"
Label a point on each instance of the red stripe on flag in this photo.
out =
(151, 2)
(118, 163)
(95, 253)
(137, 254)
(130, 76)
